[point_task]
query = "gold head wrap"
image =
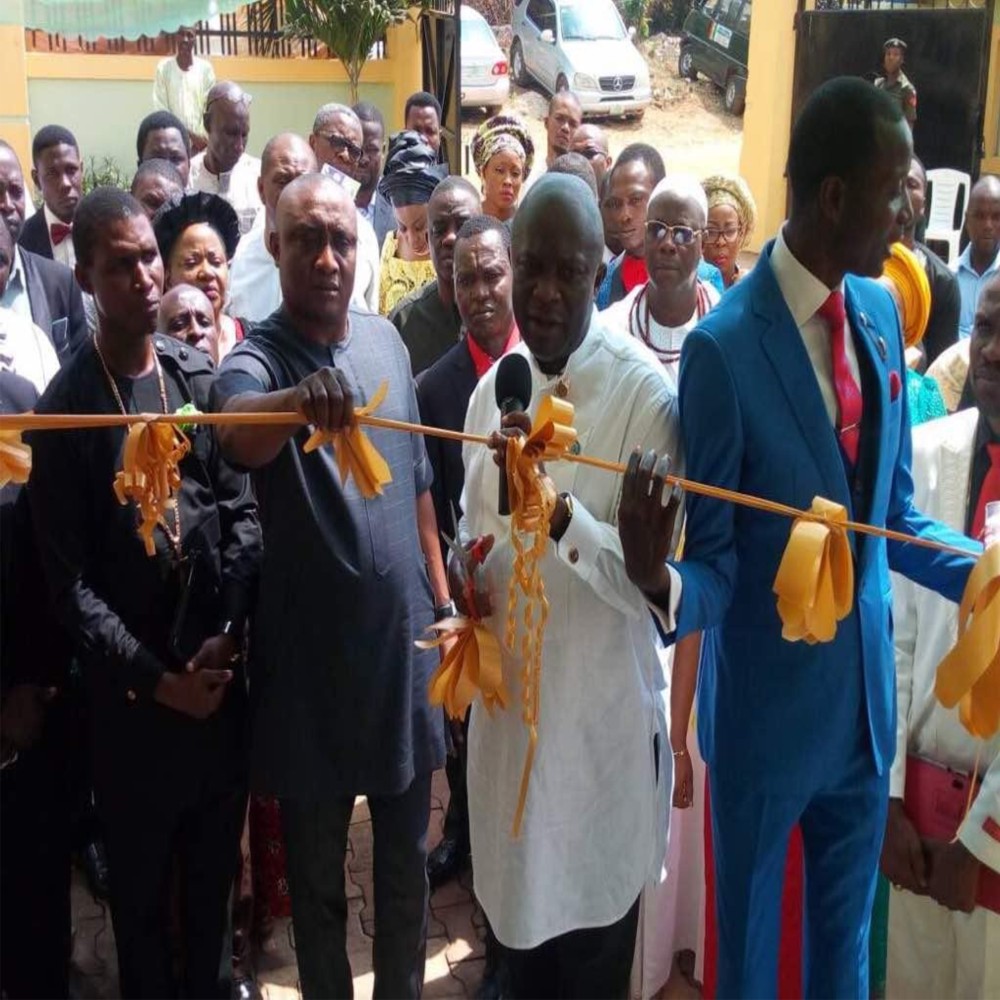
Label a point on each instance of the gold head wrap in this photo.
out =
(734, 192)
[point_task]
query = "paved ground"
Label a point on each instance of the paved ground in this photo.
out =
(454, 945)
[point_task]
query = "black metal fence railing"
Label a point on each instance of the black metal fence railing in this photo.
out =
(899, 4)
(254, 30)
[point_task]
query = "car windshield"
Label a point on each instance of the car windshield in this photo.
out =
(590, 21)
(478, 33)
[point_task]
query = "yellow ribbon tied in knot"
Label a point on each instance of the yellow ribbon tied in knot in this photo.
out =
(532, 502)
(913, 292)
(815, 581)
(151, 474)
(969, 676)
(472, 664)
(356, 455)
(15, 458)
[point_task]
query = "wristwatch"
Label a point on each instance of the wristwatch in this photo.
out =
(443, 611)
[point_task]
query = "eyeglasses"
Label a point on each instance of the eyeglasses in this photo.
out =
(680, 236)
(728, 235)
(341, 145)
(592, 152)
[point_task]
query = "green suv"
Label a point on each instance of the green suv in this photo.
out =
(716, 42)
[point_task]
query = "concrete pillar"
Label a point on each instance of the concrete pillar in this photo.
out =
(406, 55)
(767, 121)
(15, 127)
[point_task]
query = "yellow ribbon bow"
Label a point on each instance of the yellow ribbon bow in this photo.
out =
(815, 581)
(532, 501)
(969, 676)
(913, 292)
(15, 458)
(356, 455)
(151, 474)
(471, 665)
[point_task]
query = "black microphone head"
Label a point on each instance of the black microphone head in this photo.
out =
(513, 383)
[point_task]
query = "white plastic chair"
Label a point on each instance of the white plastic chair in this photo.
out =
(949, 197)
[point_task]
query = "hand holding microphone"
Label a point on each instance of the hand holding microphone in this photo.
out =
(513, 396)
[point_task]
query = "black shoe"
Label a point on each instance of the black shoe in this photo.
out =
(245, 988)
(446, 862)
(95, 867)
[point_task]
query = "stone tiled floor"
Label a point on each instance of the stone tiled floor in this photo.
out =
(454, 944)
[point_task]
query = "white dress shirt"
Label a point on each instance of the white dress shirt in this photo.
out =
(26, 351)
(255, 284)
(238, 186)
(804, 294)
(15, 296)
(64, 252)
(594, 827)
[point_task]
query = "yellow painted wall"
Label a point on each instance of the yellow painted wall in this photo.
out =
(991, 129)
(102, 98)
(767, 120)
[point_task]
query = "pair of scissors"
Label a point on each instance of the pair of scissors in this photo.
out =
(474, 593)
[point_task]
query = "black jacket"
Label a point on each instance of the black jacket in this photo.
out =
(35, 236)
(946, 303)
(56, 302)
(443, 393)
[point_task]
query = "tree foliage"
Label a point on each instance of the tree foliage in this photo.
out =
(350, 29)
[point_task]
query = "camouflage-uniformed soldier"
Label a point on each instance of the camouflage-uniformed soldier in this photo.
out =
(895, 82)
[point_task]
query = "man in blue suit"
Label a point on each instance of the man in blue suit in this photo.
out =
(784, 397)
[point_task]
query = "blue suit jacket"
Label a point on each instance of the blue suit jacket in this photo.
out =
(780, 715)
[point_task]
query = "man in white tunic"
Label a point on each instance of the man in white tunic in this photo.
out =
(563, 898)
(182, 84)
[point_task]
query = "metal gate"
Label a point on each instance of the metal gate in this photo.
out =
(441, 39)
(947, 60)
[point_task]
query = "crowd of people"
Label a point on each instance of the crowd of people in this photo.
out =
(207, 699)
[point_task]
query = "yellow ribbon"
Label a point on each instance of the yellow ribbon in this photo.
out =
(472, 664)
(15, 458)
(532, 502)
(151, 474)
(909, 279)
(356, 455)
(815, 581)
(969, 676)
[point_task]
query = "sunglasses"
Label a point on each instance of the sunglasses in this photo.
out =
(728, 235)
(341, 145)
(680, 236)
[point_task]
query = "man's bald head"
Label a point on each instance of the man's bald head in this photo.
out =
(982, 221)
(186, 314)
(12, 190)
(573, 200)
(591, 142)
(315, 246)
(227, 124)
(285, 157)
(558, 241)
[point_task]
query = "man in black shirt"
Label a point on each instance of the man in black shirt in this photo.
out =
(159, 638)
(428, 319)
(340, 692)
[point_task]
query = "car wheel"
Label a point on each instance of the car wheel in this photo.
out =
(735, 98)
(561, 84)
(685, 65)
(517, 68)
(636, 116)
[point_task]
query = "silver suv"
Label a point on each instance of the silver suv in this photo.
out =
(583, 46)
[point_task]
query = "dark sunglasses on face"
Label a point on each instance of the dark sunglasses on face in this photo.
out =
(680, 236)
(341, 145)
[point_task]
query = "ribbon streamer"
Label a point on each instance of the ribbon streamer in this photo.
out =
(151, 475)
(815, 581)
(969, 676)
(472, 664)
(356, 456)
(15, 458)
(532, 502)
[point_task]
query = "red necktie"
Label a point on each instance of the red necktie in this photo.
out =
(59, 232)
(844, 385)
(988, 492)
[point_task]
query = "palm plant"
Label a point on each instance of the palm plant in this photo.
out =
(350, 29)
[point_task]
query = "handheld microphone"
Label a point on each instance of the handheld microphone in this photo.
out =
(513, 394)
